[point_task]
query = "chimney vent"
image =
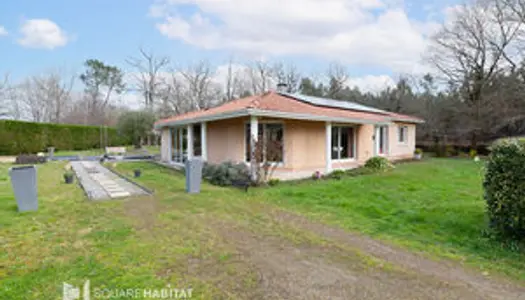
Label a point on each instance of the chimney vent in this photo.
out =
(282, 88)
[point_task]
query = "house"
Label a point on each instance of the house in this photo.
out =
(315, 134)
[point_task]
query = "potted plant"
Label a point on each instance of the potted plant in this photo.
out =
(69, 176)
(418, 154)
(137, 173)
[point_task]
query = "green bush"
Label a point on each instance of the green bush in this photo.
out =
(504, 186)
(273, 182)
(473, 153)
(378, 163)
(226, 173)
(18, 137)
(360, 171)
(337, 174)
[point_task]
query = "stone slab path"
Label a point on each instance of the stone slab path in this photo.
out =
(99, 183)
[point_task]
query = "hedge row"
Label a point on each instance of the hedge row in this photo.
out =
(17, 137)
(505, 188)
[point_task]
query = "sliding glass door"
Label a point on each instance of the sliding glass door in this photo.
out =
(179, 145)
(343, 142)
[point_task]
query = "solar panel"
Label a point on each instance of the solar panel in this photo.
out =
(333, 103)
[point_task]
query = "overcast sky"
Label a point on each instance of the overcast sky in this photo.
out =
(376, 39)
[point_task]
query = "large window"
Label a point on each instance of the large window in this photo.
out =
(179, 145)
(197, 141)
(270, 142)
(402, 134)
(343, 142)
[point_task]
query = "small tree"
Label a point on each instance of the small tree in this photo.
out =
(136, 125)
(505, 189)
(266, 156)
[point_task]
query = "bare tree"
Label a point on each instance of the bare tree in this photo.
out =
(287, 74)
(56, 91)
(45, 98)
(4, 98)
(338, 78)
(470, 52)
(201, 92)
(260, 76)
(232, 86)
(148, 79)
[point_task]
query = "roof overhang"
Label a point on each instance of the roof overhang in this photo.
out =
(269, 114)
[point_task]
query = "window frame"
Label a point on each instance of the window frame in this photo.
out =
(354, 143)
(386, 147)
(264, 123)
(403, 128)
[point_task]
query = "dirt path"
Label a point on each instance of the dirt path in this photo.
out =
(266, 260)
(288, 271)
(443, 271)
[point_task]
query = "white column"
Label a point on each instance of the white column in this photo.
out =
(254, 132)
(189, 137)
(180, 148)
(204, 145)
(328, 147)
(170, 145)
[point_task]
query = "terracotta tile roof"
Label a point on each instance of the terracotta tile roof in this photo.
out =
(272, 101)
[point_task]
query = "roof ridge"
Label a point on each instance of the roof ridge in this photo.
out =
(256, 103)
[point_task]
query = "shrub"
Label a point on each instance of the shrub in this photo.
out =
(504, 187)
(378, 163)
(418, 151)
(337, 174)
(273, 182)
(360, 171)
(226, 173)
(29, 159)
(473, 153)
(317, 175)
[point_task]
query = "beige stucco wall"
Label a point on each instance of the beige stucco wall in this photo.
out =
(165, 144)
(304, 144)
(365, 142)
(399, 150)
(225, 140)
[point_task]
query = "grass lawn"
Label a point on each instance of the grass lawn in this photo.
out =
(172, 238)
(434, 206)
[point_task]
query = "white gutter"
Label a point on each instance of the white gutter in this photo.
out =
(278, 114)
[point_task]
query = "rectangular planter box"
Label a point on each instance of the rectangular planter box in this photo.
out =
(23, 181)
(193, 175)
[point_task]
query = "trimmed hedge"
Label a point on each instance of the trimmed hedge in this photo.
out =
(504, 186)
(17, 137)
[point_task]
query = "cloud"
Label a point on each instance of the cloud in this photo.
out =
(42, 33)
(371, 83)
(357, 32)
(3, 31)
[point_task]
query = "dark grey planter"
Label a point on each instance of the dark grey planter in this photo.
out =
(23, 181)
(193, 176)
(69, 178)
(137, 173)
